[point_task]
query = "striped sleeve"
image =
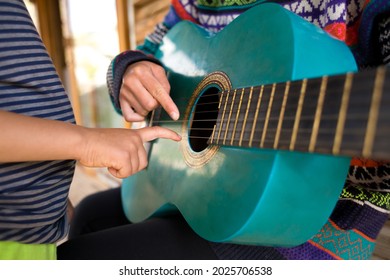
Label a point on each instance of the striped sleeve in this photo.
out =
(33, 195)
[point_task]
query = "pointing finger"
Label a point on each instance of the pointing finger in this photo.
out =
(151, 133)
(159, 91)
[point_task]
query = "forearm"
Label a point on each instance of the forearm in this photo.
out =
(26, 138)
(120, 150)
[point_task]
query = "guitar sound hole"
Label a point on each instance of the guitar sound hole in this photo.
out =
(204, 118)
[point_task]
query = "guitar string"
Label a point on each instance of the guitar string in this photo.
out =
(355, 101)
(278, 97)
(305, 116)
(324, 132)
(325, 118)
(348, 132)
(323, 146)
(333, 78)
(269, 143)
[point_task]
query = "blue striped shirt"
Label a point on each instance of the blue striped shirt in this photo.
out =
(33, 195)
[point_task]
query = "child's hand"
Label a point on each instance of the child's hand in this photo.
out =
(120, 150)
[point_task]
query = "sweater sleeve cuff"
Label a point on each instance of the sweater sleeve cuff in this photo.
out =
(118, 68)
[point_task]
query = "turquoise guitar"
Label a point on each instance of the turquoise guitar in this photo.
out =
(263, 160)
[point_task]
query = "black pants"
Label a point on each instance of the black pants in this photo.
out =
(100, 231)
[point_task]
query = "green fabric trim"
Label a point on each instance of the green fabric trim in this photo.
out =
(10, 250)
(380, 199)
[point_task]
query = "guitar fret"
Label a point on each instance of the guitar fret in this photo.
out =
(330, 111)
(318, 113)
(284, 138)
(230, 116)
(307, 119)
(266, 121)
(237, 115)
(215, 126)
(298, 114)
(220, 101)
(223, 115)
(342, 114)
(212, 135)
(256, 115)
(246, 115)
(373, 114)
(281, 115)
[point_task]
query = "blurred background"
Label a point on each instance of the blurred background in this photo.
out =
(82, 37)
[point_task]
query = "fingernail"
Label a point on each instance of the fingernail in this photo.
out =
(175, 115)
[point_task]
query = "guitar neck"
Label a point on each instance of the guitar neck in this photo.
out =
(340, 115)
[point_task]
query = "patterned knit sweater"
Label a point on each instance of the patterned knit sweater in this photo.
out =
(364, 203)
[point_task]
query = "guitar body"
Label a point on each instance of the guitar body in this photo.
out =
(231, 193)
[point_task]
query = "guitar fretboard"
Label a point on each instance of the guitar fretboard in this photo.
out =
(341, 115)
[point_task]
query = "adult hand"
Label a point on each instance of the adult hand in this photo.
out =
(145, 86)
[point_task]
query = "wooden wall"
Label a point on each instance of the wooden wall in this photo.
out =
(147, 13)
